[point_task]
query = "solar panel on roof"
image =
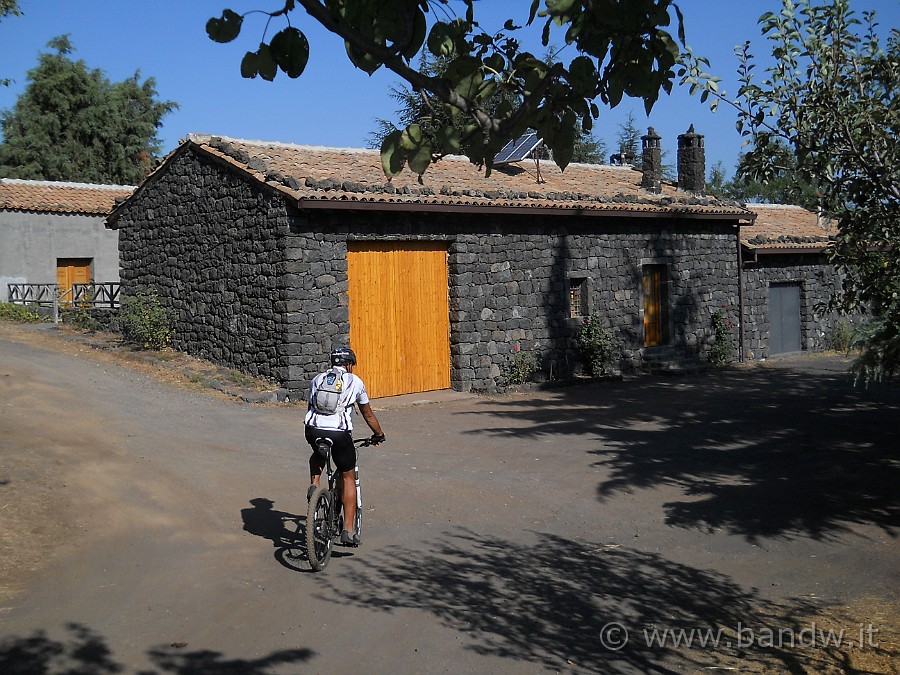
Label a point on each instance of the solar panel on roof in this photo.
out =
(518, 148)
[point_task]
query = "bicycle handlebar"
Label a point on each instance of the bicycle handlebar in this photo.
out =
(371, 440)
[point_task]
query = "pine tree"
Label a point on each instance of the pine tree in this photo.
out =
(72, 124)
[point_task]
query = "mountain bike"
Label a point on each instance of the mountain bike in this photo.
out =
(325, 519)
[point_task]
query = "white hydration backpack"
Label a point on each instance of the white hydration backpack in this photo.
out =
(329, 394)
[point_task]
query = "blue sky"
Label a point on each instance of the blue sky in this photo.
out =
(332, 103)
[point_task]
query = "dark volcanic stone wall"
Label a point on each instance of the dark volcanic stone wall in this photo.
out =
(818, 282)
(509, 282)
(212, 246)
(257, 285)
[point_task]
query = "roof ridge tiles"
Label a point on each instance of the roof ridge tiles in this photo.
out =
(65, 184)
(323, 173)
(210, 138)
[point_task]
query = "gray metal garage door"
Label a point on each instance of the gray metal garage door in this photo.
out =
(784, 318)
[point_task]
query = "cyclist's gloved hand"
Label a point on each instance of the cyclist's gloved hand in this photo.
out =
(377, 438)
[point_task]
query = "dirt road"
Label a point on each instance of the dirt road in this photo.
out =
(146, 527)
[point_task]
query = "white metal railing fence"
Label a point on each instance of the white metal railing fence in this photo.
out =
(93, 295)
(43, 295)
(101, 295)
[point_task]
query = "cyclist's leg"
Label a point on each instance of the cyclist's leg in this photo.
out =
(348, 498)
(316, 461)
(344, 455)
(316, 465)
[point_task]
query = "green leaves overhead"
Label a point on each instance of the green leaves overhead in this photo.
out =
(226, 28)
(290, 50)
(259, 63)
(622, 51)
(409, 147)
(449, 39)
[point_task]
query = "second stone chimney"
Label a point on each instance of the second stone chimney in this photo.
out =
(691, 162)
(651, 162)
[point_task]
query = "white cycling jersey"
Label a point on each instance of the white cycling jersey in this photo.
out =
(354, 392)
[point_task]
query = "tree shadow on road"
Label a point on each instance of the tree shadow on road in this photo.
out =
(560, 603)
(84, 652)
(785, 450)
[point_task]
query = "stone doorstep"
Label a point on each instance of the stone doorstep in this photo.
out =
(420, 398)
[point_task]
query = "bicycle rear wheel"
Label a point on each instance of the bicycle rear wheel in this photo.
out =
(320, 528)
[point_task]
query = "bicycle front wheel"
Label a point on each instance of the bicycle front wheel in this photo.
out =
(320, 528)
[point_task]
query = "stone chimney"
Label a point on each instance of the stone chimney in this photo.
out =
(651, 162)
(691, 162)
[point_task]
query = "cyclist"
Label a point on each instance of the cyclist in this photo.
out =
(327, 419)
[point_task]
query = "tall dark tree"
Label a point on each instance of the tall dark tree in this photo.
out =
(72, 124)
(628, 141)
(718, 184)
(782, 185)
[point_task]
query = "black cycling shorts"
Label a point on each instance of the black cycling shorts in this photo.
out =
(342, 450)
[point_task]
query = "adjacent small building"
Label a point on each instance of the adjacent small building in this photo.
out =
(54, 233)
(787, 281)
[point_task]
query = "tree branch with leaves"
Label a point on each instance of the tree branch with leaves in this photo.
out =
(829, 94)
(624, 50)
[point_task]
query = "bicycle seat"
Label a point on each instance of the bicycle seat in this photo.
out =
(323, 445)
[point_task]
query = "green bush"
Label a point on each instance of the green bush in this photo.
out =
(841, 336)
(144, 321)
(10, 311)
(520, 367)
(876, 342)
(597, 345)
(722, 347)
(81, 317)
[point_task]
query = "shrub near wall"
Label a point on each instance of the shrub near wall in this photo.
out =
(10, 311)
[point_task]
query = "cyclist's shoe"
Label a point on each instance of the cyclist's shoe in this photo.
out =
(348, 539)
(309, 492)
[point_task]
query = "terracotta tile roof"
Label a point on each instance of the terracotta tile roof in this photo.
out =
(57, 197)
(785, 227)
(338, 177)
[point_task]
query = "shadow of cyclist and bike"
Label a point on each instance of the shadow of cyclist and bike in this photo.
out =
(286, 531)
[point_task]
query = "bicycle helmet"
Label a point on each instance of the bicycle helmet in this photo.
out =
(343, 356)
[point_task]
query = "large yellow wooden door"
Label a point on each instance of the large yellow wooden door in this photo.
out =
(399, 315)
(71, 271)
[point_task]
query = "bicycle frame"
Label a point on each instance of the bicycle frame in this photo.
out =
(332, 475)
(324, 522)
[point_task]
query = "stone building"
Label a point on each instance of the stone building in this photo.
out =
(786, 280)
(269, 253)
(53, 233)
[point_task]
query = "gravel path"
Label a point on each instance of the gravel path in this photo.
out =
(147, 526)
